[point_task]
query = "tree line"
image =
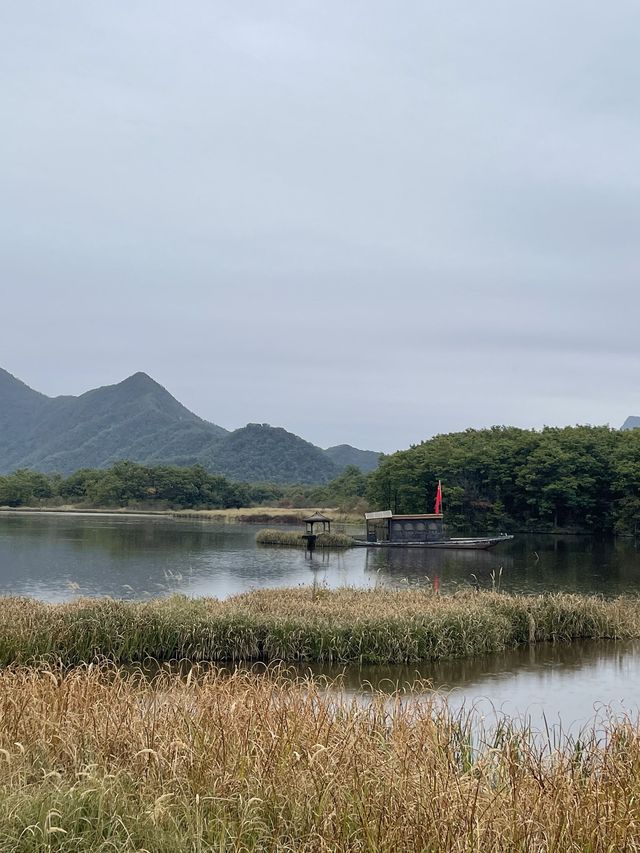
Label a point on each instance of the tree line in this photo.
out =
(579, 478)
(128, 484)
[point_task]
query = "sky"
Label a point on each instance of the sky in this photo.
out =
(368, 222)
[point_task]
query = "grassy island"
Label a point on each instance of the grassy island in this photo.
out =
(305, 624)
(269, 536)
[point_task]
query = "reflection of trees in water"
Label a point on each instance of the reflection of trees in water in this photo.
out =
(416, 564)
(31, 545)
(530, 564)
(536, 661)
(149, 538)
(123, 537)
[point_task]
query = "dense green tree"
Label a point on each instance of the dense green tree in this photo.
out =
(25, 488)
(575, 477)
(625, 482)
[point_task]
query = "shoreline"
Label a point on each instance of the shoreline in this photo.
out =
(245, 515)
(73, 511)
(254, 515)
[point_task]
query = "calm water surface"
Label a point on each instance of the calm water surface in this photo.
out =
(58, 557)
(561, 687)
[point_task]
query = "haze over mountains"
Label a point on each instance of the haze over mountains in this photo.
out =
(139, 420)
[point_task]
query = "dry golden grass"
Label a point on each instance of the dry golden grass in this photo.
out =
(96, 759)
(250, 515)
(305, 623)
(266, 514)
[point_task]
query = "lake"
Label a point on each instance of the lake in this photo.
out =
(58, 557)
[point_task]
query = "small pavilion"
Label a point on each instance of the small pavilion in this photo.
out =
(317, 518)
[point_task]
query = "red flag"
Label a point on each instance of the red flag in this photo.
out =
(438, 507)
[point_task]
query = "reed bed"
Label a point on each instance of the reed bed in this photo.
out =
(305, 624)
(248, 515)
(267, 515)
(96, 759)
(294, 538)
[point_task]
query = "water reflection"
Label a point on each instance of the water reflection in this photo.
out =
(559, 687)
(56, 557)
(554, 690)
(397, 566)
(528, 564)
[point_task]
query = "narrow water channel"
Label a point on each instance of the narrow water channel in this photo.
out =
(560, 686)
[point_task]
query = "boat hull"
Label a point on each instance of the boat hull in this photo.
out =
(478, 544)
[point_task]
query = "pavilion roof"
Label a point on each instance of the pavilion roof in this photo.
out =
(317, 516)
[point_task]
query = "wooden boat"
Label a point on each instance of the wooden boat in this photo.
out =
(386, 529)
(481, 543)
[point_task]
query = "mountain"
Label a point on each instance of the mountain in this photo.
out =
(260, 452)
(343, 455)
(136, 419)
(139, 420)
(631, 423)
(20, 408)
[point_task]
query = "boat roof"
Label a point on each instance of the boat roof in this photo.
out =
(386, 513)
(422, 515)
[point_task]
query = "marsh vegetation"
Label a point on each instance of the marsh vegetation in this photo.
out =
(305, 624)
(294, 538)
(97, 759)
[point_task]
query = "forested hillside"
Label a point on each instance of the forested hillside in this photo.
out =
(134, 419)
(576, 478)
(260, 452)
(140, 421)
(579, 479)
(504, 478)
(344, 456)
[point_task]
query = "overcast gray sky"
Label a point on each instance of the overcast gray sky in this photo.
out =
(428, 211)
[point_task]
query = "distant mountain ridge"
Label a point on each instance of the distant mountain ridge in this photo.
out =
(631, 422)
(139, 420)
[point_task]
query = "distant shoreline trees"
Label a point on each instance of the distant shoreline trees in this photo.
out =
(578, 479)
(129, 484)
